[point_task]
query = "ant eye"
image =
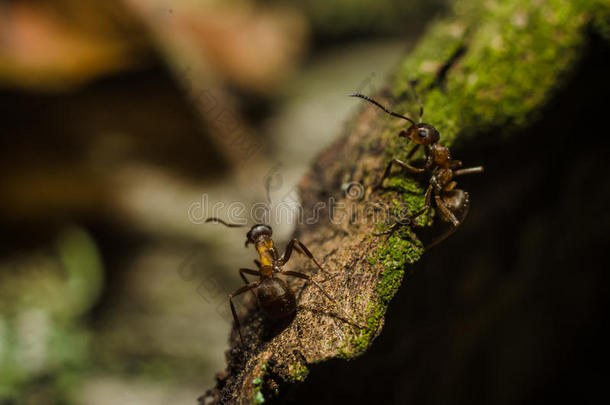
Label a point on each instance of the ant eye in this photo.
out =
(423, 133)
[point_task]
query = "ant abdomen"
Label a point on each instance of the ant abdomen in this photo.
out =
(275, 298)
(457, 202)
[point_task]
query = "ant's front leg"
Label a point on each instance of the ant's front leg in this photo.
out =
(309, 278)
(412, 151)
(301, 248)
(400, 163)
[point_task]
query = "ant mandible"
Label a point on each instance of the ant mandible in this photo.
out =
(273, 294)
(451, 202)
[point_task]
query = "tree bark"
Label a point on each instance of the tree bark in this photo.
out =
(483, 74)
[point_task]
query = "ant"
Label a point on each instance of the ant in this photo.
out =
(273, 294)
(452, 202)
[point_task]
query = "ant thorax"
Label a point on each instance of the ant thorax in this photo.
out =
(264, 247)
(444, 176)
(441, 155)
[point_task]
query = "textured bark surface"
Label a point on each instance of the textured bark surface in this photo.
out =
(345, 245)
(487, 71)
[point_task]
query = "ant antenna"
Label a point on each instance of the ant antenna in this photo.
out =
(267, 219)
(392, 113)
(214, 219)
(269, 179)
(421, 106)
(267, 191)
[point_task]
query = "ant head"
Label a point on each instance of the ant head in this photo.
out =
(421, 134)
(257, 231)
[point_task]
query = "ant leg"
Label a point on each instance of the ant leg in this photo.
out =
(442, 237)
(388, 232)
(451, 230)
(450, 186)
(447, 233)
(456, 164)
(288, 252)
(251, 272)
(258, 263)
(441, 205)
(469, 170)
(307, 277)
(412, 151)
(236, 293)
(248, 271)
(386, 173)
(428, 201)
(407, 166)
(301, 248)
(400, 163)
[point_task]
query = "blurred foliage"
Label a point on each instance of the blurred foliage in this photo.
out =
(345, 19)
(64, 43)
(251, 43)
(43, 297)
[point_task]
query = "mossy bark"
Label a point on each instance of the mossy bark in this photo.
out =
(489, 69)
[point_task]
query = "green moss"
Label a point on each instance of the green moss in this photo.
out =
(412, 200)
(601, 21)
(299, 372)
(393, 256)
(405, 185)
(50, 293)
(372, 258)
(515, 51)
(507, 57)
(258, 397)
(257, 394)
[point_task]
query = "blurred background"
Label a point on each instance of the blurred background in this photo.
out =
(117, 118)
(121, 119)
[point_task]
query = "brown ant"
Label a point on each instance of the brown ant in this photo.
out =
(273, 294)
(452, 203)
